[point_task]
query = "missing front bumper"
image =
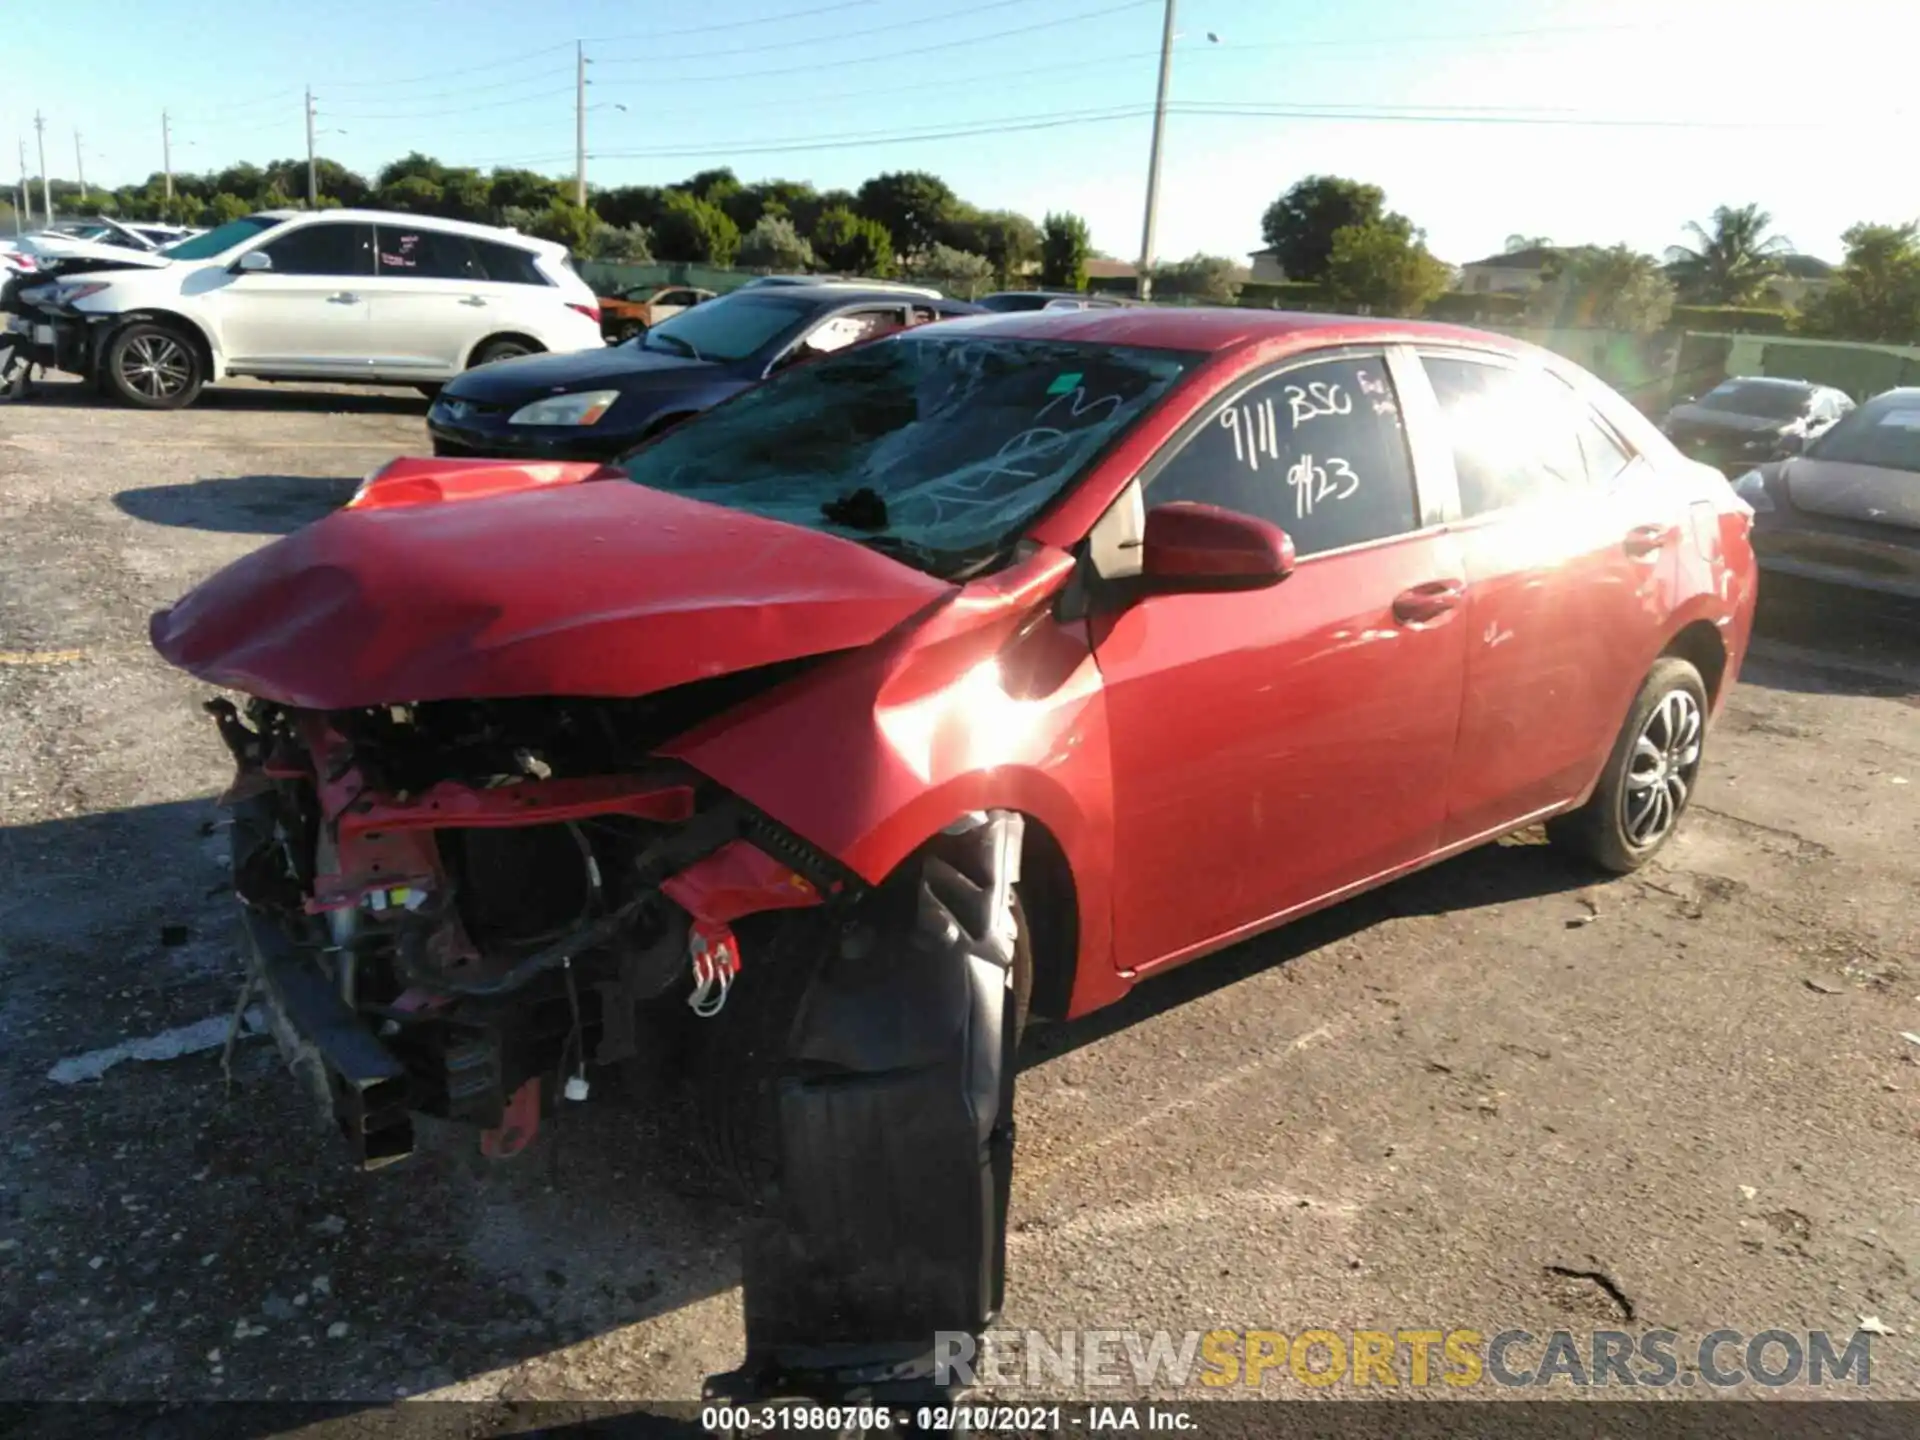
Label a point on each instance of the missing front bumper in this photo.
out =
(362, 1085)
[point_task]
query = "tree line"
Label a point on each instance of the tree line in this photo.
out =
(1338, 234)
(1329, 232)
(899, 223)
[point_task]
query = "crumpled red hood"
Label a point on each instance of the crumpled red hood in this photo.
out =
(604, 589)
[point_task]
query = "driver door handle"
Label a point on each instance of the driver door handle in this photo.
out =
(343, 297)
(474, 300)
(1645, 541)
(1428, 602)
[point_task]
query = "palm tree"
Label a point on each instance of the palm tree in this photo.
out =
(1731, 263)
(1517, 243)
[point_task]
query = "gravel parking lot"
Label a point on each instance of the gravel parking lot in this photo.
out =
(1498, 1094)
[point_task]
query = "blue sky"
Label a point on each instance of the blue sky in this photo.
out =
(1752, 102)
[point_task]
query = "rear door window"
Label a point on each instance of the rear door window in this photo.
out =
(1519, 436)
(510, 265)
(330, 248)
(840, 331)
(423, 254)
(1320, 450)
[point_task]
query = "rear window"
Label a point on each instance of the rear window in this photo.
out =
(508, 264)
(1767, 402)
(1886, 435)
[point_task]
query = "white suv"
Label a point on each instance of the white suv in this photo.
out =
(356, 295)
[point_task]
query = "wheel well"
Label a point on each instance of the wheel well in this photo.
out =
(1701, 646)
(515, 335)
(173, 320)
(1052, 908)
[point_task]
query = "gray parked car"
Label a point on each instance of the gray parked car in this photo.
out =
(1744, 420)
(1846, 509)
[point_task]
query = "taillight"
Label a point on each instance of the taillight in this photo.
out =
(592, 312)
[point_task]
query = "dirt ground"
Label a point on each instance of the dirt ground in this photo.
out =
(1500, 1094)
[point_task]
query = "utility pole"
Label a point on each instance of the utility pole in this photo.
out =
(1144, 285)
(313, 174)
(26, 190)
(580, 124)
(46, 181)
(80, 165)
(166, 151)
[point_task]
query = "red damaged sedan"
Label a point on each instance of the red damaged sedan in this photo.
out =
(989, 667)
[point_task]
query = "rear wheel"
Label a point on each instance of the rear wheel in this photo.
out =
(154, 367)
(500, 350)
(1649, 777)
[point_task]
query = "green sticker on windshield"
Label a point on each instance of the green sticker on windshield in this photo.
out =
(1064, 383)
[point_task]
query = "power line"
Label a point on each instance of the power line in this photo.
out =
(921, 87)
(463, 90)
(456, 110)
(654, 82)
(525, 55)
(757, 22)
(920, 22)
(1488, 116)
(849, 139)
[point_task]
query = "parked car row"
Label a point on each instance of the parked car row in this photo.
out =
(152, 314)
(595, 405)
(1748, 419)
(975, 671)
(337, 295)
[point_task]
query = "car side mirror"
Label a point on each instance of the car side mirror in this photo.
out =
(253, 262)
(1191, 547)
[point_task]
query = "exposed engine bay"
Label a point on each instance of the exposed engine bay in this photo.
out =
(456, 908)
(36, 332)
(495, 890)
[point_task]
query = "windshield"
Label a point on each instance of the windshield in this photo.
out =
(937, 448)
(221, 238)
(1885, 433)
(730, 328)
(1768, 402)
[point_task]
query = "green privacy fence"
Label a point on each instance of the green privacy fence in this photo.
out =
(607, 279)
(1656, 370)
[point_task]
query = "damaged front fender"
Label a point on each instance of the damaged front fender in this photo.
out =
(887, 1223)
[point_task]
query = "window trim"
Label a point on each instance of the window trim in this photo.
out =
(1425, 516)
(864, 307)
(279, 235)
(382, 272)
(1442, 457)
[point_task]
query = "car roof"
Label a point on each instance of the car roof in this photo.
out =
(1216, 328)
(842, 293)
(425, 222)
(1772, 382)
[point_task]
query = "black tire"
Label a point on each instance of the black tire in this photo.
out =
(739, 1054)
(154, 367)
(1625, 823)
(501, 350)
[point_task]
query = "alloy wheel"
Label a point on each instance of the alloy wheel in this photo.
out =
(1661, 772)
(157, 366)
